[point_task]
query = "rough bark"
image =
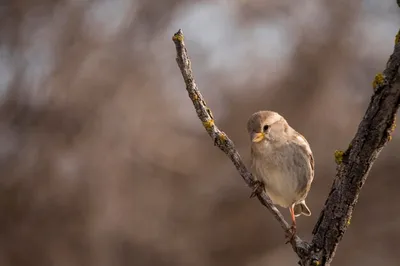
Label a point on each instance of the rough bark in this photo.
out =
(353, 164)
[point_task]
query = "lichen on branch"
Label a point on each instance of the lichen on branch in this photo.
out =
(221, 140)
(354, 164)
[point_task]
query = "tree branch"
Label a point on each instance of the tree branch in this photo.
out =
(354, 164)
(221, 140)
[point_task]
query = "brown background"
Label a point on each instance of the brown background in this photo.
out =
(104, 163)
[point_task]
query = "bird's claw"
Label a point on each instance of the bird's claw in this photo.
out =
(258, 186)
(290, 234)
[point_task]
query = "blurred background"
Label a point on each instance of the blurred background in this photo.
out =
(103, 161)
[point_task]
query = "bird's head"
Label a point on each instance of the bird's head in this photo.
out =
(266, 126)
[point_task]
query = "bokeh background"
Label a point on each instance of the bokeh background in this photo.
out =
(103, 161)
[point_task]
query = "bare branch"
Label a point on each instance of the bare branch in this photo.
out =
(354, 164)
(221, 140)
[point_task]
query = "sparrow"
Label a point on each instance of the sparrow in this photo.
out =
(282, 163)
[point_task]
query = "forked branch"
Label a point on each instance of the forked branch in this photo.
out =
(373, 133)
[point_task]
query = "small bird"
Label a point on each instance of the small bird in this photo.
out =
(282, 163)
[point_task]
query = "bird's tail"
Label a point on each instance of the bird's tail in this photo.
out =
(301, 208)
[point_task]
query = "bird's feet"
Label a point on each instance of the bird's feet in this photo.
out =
(290, 233)
(258, 187)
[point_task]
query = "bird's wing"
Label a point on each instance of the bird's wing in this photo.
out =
(303, 144)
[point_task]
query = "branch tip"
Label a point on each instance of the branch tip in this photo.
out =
(178, 36)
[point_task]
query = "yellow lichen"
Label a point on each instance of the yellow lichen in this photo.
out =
(379, 80)
(194, 97)
(222, 136)
(208, 124)
(397, 39)
(392, 128)
(348, 222)
(178, 37)
(339, 156)
(394, 124)
(316, 263)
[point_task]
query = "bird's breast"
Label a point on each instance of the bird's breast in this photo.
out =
(280, 174)
(280, 185)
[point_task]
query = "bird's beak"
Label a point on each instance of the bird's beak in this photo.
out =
(257, 137)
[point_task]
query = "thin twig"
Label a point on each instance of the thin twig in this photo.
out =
(221, 140)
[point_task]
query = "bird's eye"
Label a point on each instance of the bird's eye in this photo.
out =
(265, 128)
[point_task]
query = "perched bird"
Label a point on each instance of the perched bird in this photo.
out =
(282, 162)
